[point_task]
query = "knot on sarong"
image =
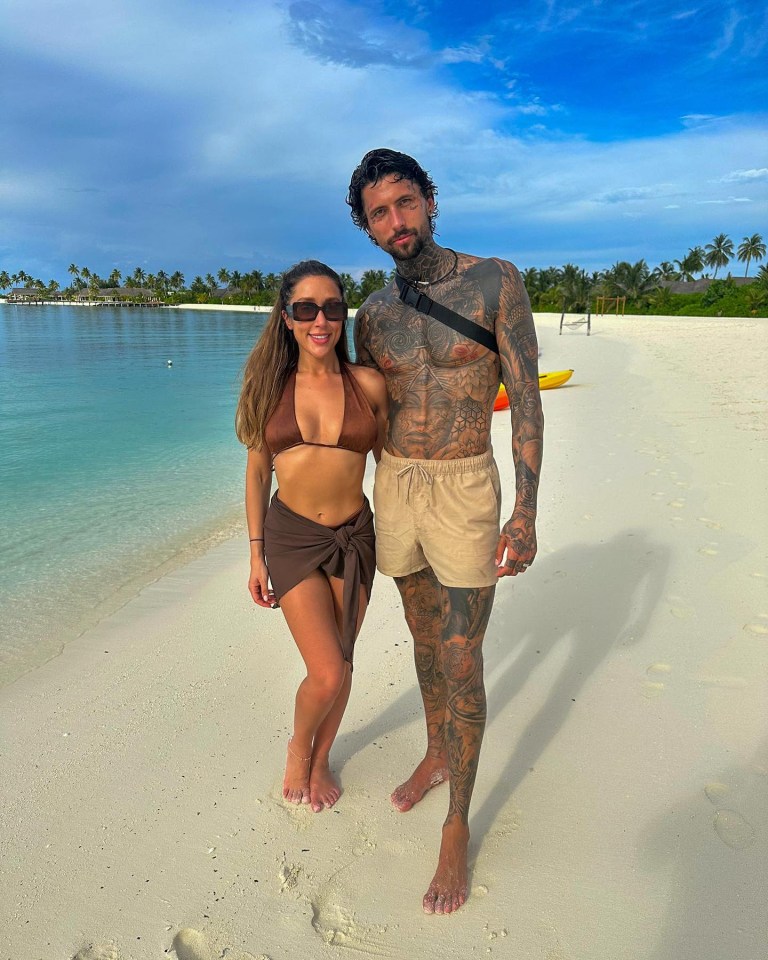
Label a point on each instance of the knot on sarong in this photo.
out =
(343, 538)
(413, 469)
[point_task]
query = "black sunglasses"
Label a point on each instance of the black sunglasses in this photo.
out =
(305, 310)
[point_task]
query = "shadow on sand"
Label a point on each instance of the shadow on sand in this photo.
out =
(591, 596)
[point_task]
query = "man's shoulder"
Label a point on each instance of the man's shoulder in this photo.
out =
(375, 301)
(468, 263)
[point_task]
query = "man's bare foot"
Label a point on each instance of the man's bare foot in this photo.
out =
(324, 788)
(448, 890)
(430, 772)
(296, 779)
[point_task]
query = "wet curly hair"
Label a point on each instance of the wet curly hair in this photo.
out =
(380, 163)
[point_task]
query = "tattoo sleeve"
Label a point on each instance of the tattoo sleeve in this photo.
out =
(519, 351)
(360, 336)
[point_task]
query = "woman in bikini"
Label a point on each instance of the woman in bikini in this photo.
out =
(305, 409)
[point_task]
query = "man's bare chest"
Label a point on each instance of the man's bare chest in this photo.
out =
(413, 340)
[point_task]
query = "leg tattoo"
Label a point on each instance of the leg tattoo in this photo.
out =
(421, 594)
(465, 618)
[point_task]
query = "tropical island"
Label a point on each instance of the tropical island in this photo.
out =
(686, 287)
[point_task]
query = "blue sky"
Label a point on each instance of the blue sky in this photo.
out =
(187, 135)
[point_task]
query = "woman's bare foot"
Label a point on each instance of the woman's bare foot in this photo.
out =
(448, 890)
(324, 788)
(430, 772)
(296, 779)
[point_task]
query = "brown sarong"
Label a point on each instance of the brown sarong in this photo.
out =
(295, 546)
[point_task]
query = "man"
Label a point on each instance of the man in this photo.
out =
(437, 494)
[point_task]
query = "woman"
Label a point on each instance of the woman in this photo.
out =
(305, 409)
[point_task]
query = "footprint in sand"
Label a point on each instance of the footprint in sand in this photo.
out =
(340, 928)
(716, 792)
(651, 689)
(758, 627)
(710, 550)
(679, 607)
(289, 876)
(712, 524)
(657, 669)
(190, 944)
(97, 951)
(677, 504)
(734, 830)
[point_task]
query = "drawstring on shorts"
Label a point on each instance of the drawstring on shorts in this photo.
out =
(409, 472)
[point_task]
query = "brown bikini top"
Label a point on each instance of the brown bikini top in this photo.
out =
(358, 429)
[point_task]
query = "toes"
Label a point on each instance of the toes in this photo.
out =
(443, 903)
(401, 801)
(428, 904)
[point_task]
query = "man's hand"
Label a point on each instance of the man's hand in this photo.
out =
(517, 545)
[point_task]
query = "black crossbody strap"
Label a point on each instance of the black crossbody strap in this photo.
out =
(424, 304)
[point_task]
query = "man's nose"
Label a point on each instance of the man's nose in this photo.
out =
(396, 218)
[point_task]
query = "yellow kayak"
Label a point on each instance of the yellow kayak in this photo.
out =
(556, 379)
(546, 382)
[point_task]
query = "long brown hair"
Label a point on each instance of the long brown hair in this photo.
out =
(275, 355)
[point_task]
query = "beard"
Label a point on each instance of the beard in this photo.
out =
(409, 253)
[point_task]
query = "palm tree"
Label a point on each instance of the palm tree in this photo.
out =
(630, 280)
(719, 252)
(350, 288)
(751, 248)
(372, 280)
(692, 262)
(531, 280)
(114, 278)
(75, 271)
(574, 286)
(255, 279)
(177, 281)
(138, 277)
(5, 280)
(224, 277)
(665, 271)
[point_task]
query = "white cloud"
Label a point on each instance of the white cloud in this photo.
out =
(727, 35)
(745, 176)
(727, 200)
(265, 126)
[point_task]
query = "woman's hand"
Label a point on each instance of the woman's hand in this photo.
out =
(258, 584)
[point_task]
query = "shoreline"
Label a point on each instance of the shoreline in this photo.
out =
(246, 308)
(619, 807)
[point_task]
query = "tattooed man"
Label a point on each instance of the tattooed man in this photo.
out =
(437, 493)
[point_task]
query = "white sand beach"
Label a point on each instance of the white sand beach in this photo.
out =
(621, 808)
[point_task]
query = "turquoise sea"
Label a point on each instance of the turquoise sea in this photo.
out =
(113, 464)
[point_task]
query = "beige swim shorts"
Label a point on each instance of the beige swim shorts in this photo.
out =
(438, 513)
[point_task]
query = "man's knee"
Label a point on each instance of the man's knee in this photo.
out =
(422, 601)
(466, 612)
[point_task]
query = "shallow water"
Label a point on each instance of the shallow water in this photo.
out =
(113, 464)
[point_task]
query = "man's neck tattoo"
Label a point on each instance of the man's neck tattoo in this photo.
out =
(430, 267)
